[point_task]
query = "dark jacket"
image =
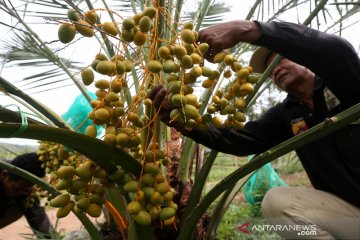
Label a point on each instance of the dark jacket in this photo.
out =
(333, 162)
(35, 215)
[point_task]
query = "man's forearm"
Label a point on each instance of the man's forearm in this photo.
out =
(248, 31)
(228, 34)
(38, 219)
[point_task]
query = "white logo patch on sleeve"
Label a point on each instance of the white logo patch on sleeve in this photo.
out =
(330, 99)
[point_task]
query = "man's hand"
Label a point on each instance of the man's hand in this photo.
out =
(158, 95)
(226, 35)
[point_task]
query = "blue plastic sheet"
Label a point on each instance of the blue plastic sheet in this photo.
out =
(78, 113)
(260, 182)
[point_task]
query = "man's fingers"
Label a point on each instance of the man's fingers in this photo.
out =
(210, 54)
(200, 37)
(154, 91)
(159, 98)
(209, 57)
(158, 95)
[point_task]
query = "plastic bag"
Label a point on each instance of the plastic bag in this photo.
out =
(259, 183)
(78, 113)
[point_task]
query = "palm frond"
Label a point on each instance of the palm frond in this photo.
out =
(22, 47)
(216, 13)
(265, 10)
(281, 9)
(126, 6)
(49, 8)
(49, 3)
(346, 3)
(12, 89)
(23, 51)
(42, 82)
(7, 115)
(341, 23)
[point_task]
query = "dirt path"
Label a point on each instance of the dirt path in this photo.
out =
(15, 230)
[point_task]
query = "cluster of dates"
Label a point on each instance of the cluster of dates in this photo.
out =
(178, 64)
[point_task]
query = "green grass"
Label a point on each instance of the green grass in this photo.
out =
(239, 214)
(219, 172)
(224, 165)
(288, 165)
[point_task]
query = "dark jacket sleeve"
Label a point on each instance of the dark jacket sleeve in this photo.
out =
(37, 218)
(256, 137)
(328, 56)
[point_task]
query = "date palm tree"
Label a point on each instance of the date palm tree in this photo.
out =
(54, 71)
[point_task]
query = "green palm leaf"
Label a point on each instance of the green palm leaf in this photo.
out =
(35, 45)
(22, 51)
(126, 6)
(216, 13)
(49, 3)
(103, 154)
